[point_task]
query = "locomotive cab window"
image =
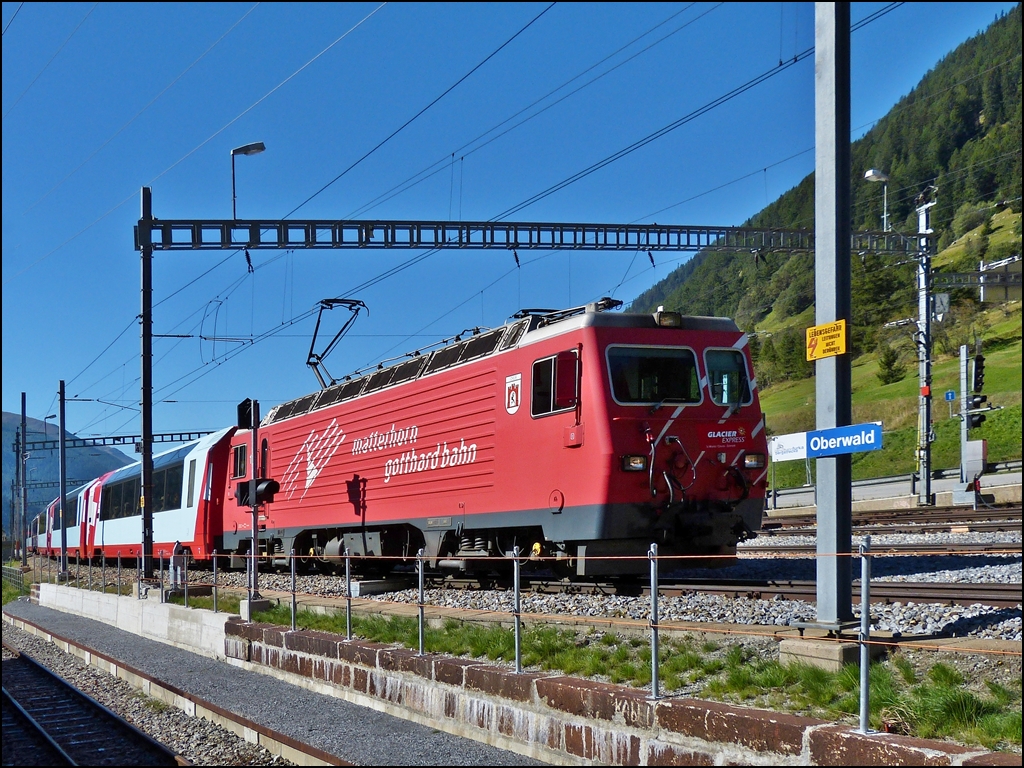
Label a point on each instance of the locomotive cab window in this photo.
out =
(555, 386)
(727, 377)
(653, 375)
(238, 460)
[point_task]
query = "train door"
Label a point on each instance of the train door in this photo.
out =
(91, 499)
(49, 513)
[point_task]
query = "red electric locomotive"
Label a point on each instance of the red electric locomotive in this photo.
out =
(582, 434)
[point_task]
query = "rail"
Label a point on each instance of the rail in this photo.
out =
(995, 468)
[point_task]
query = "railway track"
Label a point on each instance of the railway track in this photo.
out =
(884, 592)
(46, 721)
(923, 548)
(917, 520)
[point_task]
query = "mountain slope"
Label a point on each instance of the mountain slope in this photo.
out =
(44, 466)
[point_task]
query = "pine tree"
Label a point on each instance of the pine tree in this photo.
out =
(890, 369)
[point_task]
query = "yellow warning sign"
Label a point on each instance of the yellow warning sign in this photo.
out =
(826, 340)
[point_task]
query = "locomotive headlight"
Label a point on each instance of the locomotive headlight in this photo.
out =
(668, 319)
(634, 463)
(753, 461)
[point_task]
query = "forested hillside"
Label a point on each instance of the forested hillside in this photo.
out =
(959, 129)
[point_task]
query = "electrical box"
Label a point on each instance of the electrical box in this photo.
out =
(975, 458)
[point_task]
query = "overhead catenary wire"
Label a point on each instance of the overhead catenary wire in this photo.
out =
(708, 107)
(468, 149)
(412, 119)
(16, 12)
(50, 61)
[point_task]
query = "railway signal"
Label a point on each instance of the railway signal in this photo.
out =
(979, 373)
(975, 417)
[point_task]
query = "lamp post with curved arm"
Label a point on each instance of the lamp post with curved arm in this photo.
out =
(876, 175)
(248, 149)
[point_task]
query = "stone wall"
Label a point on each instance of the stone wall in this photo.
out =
(567, 720)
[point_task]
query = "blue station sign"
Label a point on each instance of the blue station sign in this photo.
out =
(839, 440)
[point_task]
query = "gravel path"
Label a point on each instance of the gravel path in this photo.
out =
(357, 734)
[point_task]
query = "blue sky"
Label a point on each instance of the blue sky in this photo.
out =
(102, 99)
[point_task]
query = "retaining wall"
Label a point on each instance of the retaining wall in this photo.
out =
(567, 720)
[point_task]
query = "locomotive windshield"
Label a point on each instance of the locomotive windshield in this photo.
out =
(727, 377)
(653, 375)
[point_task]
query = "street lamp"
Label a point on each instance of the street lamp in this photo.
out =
(876, 175)
(45, 425)
(249, 149)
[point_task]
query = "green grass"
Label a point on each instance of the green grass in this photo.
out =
(789, 407)
(227, 602)
(11, 592)
(937, 706)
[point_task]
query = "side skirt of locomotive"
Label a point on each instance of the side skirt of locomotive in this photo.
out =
(590, 540)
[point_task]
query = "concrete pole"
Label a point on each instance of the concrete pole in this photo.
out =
(832, 301)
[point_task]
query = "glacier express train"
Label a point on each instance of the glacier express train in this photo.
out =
(581, 435)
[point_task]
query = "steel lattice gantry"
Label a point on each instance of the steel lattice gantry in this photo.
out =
(202, 234)
(111, 440)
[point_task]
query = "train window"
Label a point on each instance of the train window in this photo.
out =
(295, 407)
(264, 457)
(444, 357)
(239, 457)
(110, 504)
(130, 498)
(515, 332)
(481, 345)
(191, 482)
(727, 377)
(653, 375)
(378, 380)
(172, 488)
(545, 394)
(408, 370)
(158, 502)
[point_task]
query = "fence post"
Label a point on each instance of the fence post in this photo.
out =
(516, 611)
(118, 573)
(348, 595)
(78, 568)
(293, 590)
(865, 631)
(653, 555)
(161, 575)
(138, 577)
(215, 581)
(419, 568)
(184, 570)
(89, 566)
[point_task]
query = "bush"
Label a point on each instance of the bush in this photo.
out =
(969, 216)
